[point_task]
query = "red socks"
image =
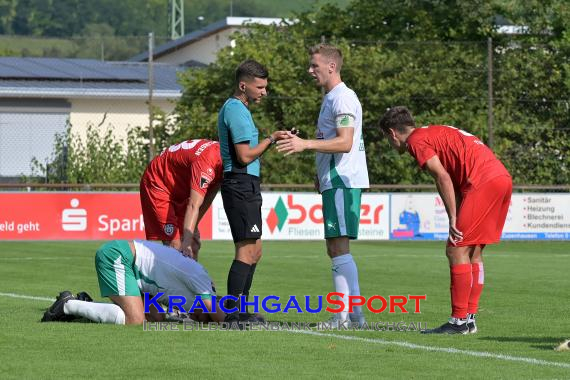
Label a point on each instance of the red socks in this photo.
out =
(460, 290)
(477, 287)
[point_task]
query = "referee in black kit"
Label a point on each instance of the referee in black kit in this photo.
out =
(240, 148)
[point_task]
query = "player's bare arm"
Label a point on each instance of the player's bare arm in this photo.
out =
(245, 154)
(342, 143)
(208, 199)
(446, 191)
(191, 219)
(196, 243)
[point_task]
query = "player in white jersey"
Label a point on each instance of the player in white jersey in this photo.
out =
(341, 169)
(128, 269)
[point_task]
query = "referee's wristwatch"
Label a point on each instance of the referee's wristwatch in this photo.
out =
(271, 139)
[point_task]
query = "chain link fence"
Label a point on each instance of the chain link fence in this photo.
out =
(104, 48)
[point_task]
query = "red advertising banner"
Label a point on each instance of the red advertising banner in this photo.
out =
(76, 216)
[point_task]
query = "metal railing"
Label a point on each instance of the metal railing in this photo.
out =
(265, 187)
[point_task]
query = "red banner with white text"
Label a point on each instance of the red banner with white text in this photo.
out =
(76, 216)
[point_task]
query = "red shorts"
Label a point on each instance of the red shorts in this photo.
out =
(163, 217)
(482, 213)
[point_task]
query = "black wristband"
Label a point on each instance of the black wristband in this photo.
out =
(271, 139)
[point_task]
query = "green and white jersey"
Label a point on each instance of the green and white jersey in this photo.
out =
(159, 268)
(341, 170)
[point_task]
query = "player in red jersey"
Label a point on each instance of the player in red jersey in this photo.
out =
(476, 190)
(176, 190)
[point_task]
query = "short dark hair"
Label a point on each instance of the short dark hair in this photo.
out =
(397, 118)
(249, 69)
(329, 51)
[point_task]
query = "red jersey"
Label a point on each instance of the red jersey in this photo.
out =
(190, 165)
(469, 162)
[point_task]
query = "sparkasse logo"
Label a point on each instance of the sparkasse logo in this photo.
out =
(74, 218)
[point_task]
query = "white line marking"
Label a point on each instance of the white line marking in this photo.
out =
(412, 346)
(305, 257)
(437, 349)
(14, 295)
(37, 258)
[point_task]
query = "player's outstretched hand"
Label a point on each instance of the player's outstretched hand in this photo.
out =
(187, 248)
(191, 244)
(280, 135)
(187, 251)
(293, 144)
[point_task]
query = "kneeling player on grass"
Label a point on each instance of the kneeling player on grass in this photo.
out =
(476, 190)
(128, 269)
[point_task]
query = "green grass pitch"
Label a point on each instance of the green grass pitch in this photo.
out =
(524, 313)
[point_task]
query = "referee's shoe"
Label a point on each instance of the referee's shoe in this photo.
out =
(233, 322)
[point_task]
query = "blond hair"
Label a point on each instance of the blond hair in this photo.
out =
(332, 53)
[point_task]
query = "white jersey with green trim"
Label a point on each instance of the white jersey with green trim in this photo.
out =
(341, 170)
(159, 268)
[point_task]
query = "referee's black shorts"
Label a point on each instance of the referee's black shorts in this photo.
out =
(241, 194)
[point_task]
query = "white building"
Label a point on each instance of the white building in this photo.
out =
(201, 47)
(40, 96)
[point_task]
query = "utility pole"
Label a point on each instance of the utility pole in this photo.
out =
(176, 18)
(150, 88)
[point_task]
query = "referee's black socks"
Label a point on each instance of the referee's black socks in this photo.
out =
(238, 276)
(248, 284)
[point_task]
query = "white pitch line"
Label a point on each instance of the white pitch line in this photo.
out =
(36, 258)
(380, 256)
(437, 349)
(14, 295)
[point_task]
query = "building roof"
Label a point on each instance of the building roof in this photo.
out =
(188, 39)
(67, 77)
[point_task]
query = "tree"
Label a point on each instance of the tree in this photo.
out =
(7, 14)
(430, 56)
(100, 157)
